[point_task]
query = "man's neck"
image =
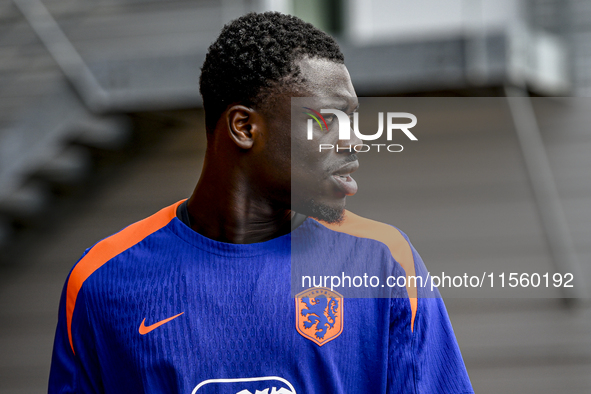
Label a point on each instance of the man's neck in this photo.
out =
(228, 210)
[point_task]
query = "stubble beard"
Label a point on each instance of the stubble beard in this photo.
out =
(323, 212)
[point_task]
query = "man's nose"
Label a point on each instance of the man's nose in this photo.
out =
(348, 145)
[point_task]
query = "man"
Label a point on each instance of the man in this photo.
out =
(196, 298)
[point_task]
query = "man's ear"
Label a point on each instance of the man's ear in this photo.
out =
(243, 125)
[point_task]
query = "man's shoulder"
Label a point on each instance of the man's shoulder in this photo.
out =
(390, 236)
(114, 245)
(393, 238)
(107, 250)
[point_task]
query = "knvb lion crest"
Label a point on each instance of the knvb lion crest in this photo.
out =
(319, 314)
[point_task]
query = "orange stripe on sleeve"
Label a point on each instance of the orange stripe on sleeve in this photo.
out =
(399, 248)
(108, 248)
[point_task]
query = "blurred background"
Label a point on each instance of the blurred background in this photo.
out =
(101, 126)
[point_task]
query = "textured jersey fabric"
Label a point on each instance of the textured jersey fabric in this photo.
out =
(158, 308)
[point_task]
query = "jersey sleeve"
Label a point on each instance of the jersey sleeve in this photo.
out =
(438, 366)
(74, 366)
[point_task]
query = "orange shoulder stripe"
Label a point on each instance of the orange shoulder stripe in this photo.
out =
(108, 248)
(399, 248)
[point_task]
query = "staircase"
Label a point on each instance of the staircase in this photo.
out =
(57, 104)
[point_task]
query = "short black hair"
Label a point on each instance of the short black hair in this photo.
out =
(256, 52)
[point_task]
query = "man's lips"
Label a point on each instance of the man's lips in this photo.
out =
(344, 180)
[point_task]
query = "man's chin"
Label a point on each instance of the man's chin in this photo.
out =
(323, 212)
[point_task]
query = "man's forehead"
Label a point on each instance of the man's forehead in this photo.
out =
(325, 78)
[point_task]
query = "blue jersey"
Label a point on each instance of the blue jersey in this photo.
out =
(158, 308)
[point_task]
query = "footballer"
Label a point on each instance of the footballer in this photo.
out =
(197, 297)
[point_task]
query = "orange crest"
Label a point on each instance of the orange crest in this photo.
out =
(319, 314)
